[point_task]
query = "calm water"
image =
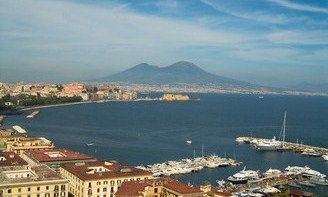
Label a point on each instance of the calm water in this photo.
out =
(137, 133)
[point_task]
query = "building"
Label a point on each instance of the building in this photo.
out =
(99, 178)
(21, 144)
(135, 189)
(54, 158)
(74, 89)
(8, 159)
(6, 132)
(162, 187)
(37, 181)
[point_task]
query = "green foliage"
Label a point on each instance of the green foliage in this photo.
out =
(33, 101)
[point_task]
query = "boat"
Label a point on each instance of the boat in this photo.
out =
(306, 183)
(310, 152)
(89, 144)
(292, 184)
(243, 176)
(272, 173)
(318, 180)
(189, 141)
(283, 131)
(33, 114)
(272, 144)
(325, 157)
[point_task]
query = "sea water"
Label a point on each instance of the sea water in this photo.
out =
(147, 132)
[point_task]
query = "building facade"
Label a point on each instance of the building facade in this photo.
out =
(99, 179)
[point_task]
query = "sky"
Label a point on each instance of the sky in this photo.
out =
(277, 43)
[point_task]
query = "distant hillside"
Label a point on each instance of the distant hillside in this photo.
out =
(177, 73)
(323, 87)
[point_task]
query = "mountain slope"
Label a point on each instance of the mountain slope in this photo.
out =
(177, 73)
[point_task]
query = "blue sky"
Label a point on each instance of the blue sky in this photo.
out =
(268, 42)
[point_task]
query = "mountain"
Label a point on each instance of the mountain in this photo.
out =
(177, 73)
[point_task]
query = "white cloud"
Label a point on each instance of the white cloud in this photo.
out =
(300, 37)
(301, 7)
(260, 16)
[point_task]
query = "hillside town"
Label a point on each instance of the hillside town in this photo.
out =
(24, 94)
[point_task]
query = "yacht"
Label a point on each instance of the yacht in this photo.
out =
(319, 180)
(243, 176)
(189, 141)
(272, 173)
(268, 144)
(306, 183)
(310, 152)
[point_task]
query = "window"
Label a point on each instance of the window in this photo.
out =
(112, 182)
(112, 189)
(156, 190)
(105, 182)
(9, 191)
(47, 187)
(98, 183)
(38, 188)
(38, 195)
(28, 189)
(89, 184)
(62, 187)
(19, 190)
(105, 189)
(98, 190)
(56, 187)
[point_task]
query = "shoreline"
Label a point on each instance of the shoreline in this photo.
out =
(54, 105)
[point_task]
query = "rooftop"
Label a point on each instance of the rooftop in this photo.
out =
(57, 155)
(103, 170)
(11, 159)
(19, 174)
(179, 187)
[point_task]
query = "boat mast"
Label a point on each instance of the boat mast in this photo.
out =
(202, 150)
(284, 130)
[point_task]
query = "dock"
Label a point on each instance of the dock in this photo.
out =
(293, 146)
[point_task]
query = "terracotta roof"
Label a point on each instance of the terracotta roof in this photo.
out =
(132, 188)
(62, 155)
(180, 187)
(111, 170)
(11, 159)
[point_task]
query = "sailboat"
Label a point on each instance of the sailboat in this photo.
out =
(283, 147)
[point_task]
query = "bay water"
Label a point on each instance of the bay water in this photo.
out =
(147, 132)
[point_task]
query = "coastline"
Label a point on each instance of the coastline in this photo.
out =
(54, 105)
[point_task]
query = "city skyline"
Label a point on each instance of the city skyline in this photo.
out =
(270, 42)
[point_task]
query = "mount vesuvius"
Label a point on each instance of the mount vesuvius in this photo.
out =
(178, 73)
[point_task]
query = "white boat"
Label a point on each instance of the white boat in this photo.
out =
(319, 181)
(310, 152)
(325, 157)
(89, 144)
(306, 183)
(243, 176)
(189, 141)
(272, 144)
(272, 173)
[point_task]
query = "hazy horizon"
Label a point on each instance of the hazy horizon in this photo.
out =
(278, 43)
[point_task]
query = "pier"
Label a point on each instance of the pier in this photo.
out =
(293, 146)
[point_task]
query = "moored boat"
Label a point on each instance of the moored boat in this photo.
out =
(319, 180)
(306, 183)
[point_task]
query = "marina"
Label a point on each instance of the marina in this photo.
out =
(185, 166)
(254, 182)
